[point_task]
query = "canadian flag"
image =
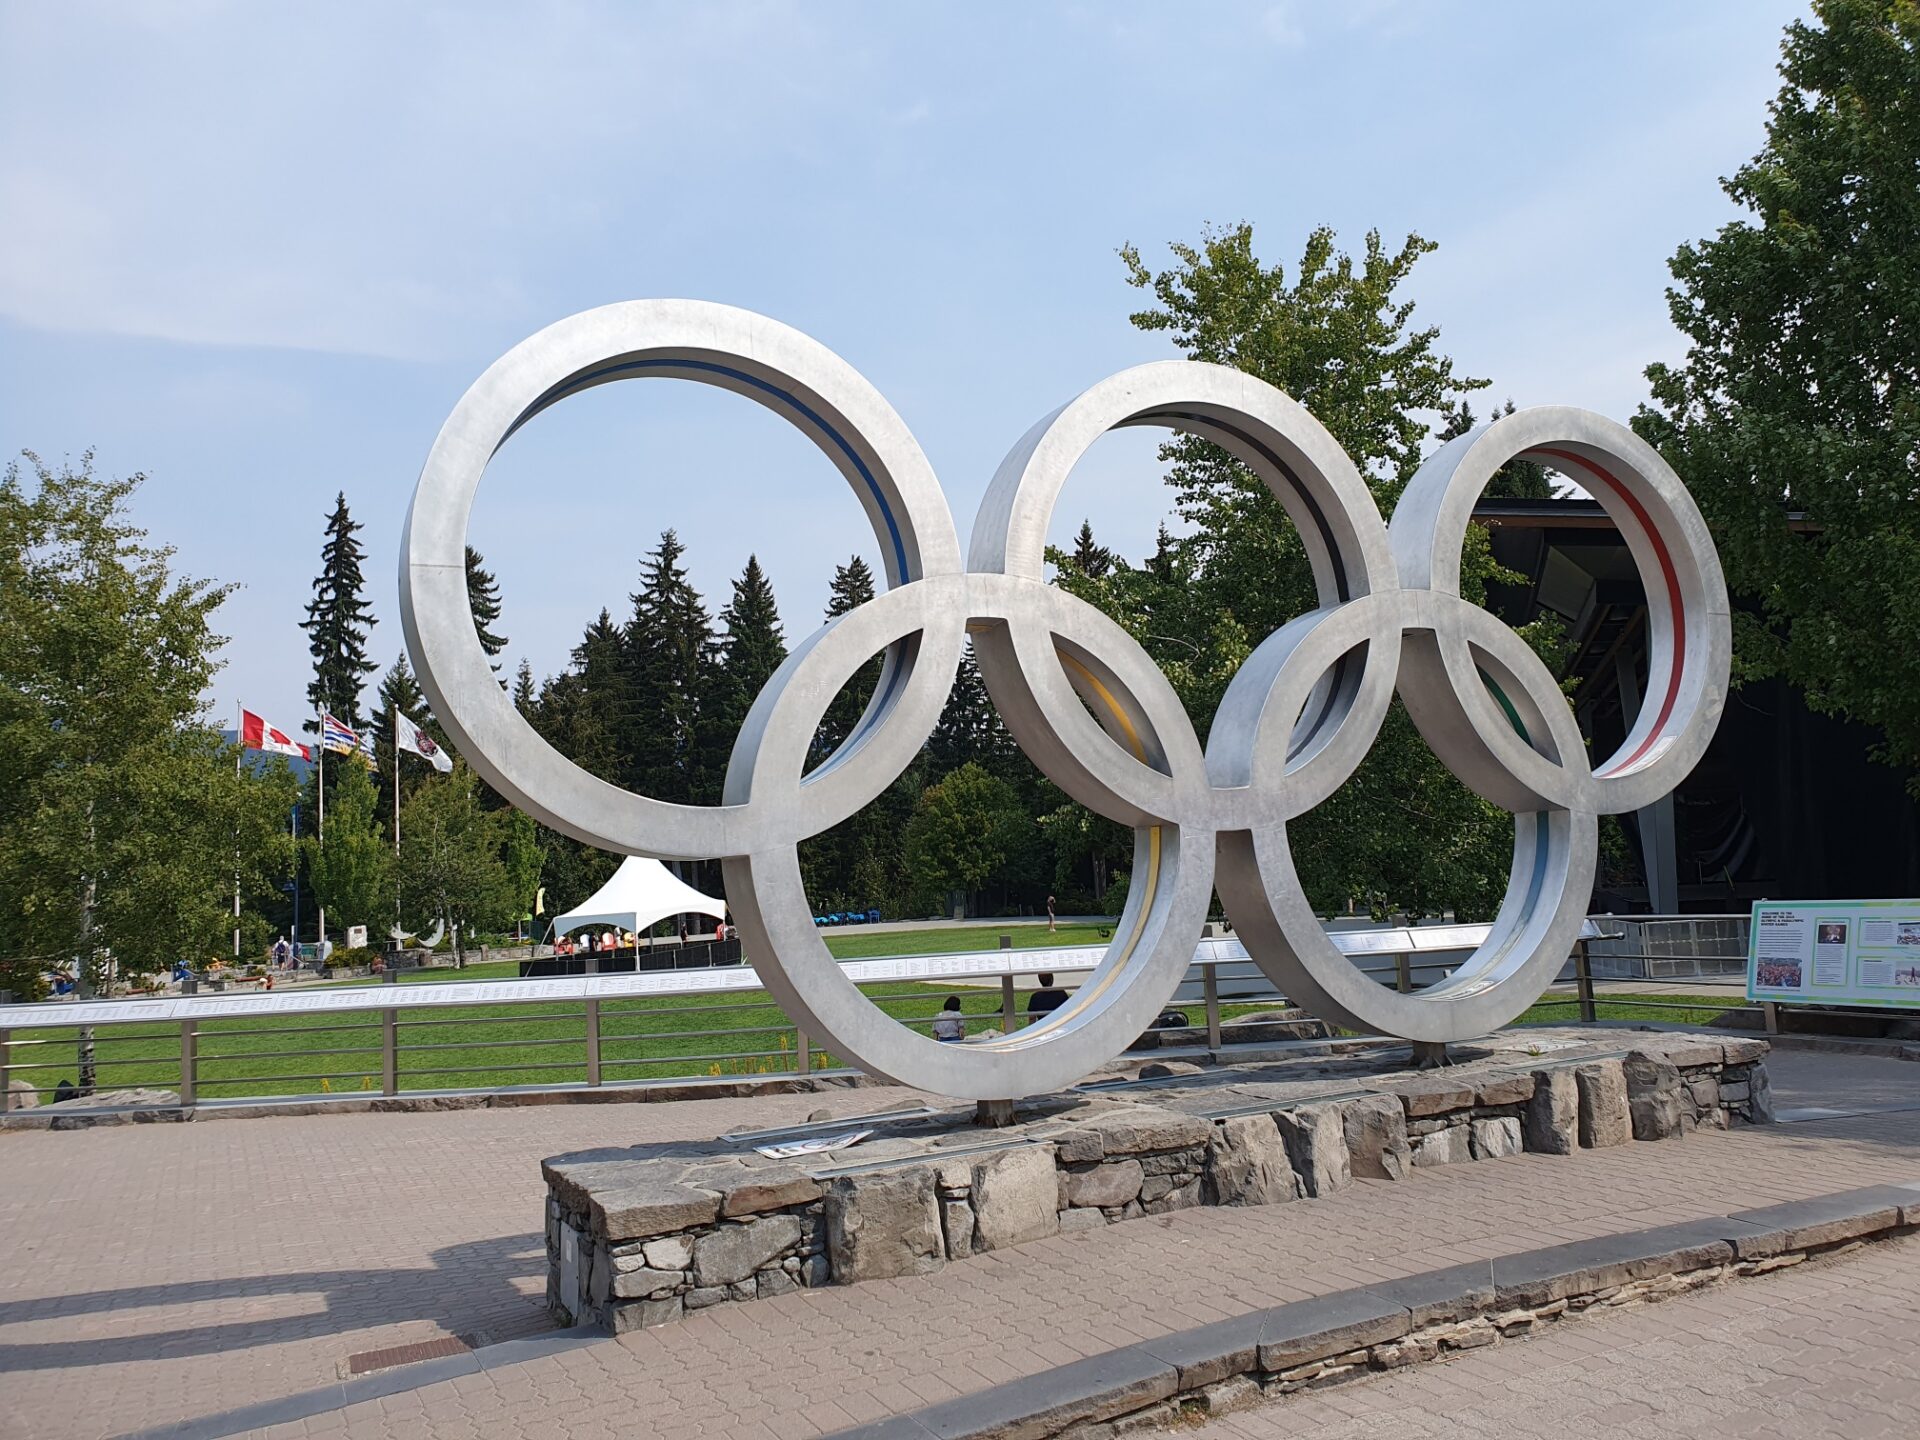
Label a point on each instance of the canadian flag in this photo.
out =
(257, 734)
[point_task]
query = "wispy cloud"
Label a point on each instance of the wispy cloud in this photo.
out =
(1281, 24)
(348, 179)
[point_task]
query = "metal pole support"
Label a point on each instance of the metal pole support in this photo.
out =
(1210, 980)
(802, 1052)
(389, 1052)
(1770, 1013)
(6, 1070)
(1583, 983)
(189, 1063)
(1007, 1012)
(1403, 974)
(593, 1042)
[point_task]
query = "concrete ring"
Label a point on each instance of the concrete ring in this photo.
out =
(1689, 620)
(778, 367)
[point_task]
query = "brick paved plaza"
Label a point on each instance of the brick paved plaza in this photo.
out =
(1822, 1350)
(160, 1273)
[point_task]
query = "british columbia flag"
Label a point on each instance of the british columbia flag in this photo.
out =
(340, 739)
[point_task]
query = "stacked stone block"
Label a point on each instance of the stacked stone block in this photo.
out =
(639, 1242)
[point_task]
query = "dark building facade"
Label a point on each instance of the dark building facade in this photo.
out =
(1786, 804)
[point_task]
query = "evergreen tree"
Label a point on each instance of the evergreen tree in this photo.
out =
(751, 651)
(857, 863)
(337, 622)
(852, 586)
(1515, 480)
(583, 713)
(524, 693)
(573, 712)
(398, 689)
(1089, 559)
(755, 644)
(483, 598)
(1160, 565)
(669, 653)
(970, 729)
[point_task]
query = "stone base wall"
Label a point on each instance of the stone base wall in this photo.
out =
(637, 1242)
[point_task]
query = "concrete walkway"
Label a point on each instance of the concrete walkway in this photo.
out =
(152, 1274)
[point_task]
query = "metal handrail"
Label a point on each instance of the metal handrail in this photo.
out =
(606, 1016)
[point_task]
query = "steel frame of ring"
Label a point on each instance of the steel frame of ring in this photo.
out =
(1086, 702)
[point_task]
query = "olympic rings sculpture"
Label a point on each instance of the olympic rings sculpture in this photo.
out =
(1085, 701)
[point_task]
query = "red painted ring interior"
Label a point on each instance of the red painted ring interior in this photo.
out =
(1674, 604)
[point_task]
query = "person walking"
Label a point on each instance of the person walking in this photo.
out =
(950, 1025)
(1051, 926)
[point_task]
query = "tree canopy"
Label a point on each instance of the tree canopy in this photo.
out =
(123, 814)
(350, 867)
(451, 860)
(1403, 833)
(1800, 390)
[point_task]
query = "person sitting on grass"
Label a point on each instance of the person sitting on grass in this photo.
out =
(950, 1025)
(1046, 999)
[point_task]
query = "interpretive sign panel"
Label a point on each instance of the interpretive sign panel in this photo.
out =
(1835, 952)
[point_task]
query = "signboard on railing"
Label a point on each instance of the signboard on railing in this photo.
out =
(1835, 952)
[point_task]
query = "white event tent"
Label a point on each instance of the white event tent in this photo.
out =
(641, 892)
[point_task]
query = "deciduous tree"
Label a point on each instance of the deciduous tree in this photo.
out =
(450, 859)
(964, 833)
(1339, 338)
(1800, 390)
(350, 867)
(123, 815)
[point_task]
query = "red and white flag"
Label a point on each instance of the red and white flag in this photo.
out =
(257, 734)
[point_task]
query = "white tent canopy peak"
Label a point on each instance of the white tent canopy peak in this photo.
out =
(641, 893)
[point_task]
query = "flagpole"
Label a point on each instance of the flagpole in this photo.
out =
(239, 749)
(320, 789)
(394, 730)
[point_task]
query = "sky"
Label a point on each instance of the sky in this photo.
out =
(257, 252)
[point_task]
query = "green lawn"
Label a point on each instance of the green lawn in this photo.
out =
(1654, 1009)
(460, 1047)
(855, 945)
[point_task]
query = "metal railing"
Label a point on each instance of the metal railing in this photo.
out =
(1672, 947)
(623, 1029)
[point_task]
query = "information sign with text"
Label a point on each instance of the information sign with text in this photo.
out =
(1835, 952)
